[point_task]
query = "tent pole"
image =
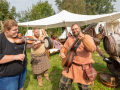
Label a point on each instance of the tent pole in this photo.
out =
(32, 31)
(118, 27)
(86, 23)
(66, 28)
(107, 27)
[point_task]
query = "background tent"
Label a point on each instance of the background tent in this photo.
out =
(97, 26)
(30, 32)
(70, 18)
(63, 36)
(115, 26)
(110, 28)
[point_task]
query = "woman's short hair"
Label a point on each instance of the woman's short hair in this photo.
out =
(8, 24)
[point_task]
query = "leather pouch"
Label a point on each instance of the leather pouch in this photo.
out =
(89, 74)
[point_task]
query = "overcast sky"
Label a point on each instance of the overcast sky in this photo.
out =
(22, 5)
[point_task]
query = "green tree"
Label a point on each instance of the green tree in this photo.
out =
(38, 11)
(94, 7)
(6, 12)
(88, 7)
(74, 6)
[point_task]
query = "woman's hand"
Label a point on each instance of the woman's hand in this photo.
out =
(19, 57)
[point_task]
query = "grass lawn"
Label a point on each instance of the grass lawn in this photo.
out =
(55, 73)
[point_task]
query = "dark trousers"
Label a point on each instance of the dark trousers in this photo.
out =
(66, 83)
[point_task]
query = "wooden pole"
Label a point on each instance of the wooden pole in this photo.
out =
(107, 27)
(66, 28)
(44, 32)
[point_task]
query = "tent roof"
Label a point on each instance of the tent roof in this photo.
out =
(116, 21)
(70, 18)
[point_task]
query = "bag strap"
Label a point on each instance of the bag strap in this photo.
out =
(76, 46)
(84, 67)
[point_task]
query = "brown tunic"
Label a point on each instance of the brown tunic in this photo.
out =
(82, 57)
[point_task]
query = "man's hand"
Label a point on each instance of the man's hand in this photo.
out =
(62, 55)
(37, 42)
(81, 36)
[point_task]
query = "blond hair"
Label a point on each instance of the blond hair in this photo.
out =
(8, 24)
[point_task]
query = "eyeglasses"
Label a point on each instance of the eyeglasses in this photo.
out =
(74, 29)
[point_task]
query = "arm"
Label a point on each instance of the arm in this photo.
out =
(62, 50)
(61, 45)
(66, 28)
(29, 45)
(90, 46)
(54, 42)
(9, 58)
(62, 54)
(33, 44)
(98, 50)
(103, 30)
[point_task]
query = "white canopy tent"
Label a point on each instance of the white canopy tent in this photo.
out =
(70, 18)
(110, 28)
(115, 26)
(63, 35)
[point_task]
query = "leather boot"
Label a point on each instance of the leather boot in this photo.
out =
(39, 78)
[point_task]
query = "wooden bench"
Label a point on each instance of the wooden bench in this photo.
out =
(53, 50)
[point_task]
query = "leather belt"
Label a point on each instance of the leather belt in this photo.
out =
(83, 66)
(78, 64)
